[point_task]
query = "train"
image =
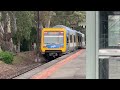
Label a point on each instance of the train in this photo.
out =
(60, 40)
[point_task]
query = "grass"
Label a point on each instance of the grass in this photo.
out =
(17, 59)
(20, 58)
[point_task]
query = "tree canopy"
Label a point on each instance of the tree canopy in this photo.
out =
(19, 26)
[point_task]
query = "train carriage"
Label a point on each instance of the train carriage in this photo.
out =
(60, 40)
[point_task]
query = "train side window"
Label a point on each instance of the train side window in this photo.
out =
(78, 39)
(67, 40)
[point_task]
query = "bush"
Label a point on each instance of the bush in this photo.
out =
(6, 57)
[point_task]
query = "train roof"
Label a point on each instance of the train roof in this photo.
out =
(68, 29)
(77, 31)
(80, 33)
(62, 26)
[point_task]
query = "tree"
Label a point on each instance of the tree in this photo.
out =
(68, 18)
(24, 24)
(1, 30)
(45, 17)
(33, 37)
(19, 25)
(6, 36)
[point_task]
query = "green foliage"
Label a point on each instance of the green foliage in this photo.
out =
(24, 24)
(24, 21)
(68, 18)
(81, 15)
(0, 49)
(24, 45)
(6, 57)
(33, 34)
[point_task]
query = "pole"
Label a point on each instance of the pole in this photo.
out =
(91, 45)
(38, 31)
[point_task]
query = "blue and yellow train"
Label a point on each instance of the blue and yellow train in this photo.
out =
(60, 40)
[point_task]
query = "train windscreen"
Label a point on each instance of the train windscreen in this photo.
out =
(53, 37)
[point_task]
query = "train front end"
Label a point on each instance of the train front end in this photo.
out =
(53, 41)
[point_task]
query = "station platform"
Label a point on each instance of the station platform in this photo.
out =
(69, 66)
(72, 67)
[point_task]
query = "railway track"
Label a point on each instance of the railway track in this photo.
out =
(22, 71)
(25, 70)
(31, 67)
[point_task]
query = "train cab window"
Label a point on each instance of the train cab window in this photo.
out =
(70, 38)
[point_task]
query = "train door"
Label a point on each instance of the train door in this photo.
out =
(73, 42)
(80, 40)
(83, 41)
(77, 41)
(68, 42)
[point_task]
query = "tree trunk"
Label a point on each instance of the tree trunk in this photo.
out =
(29, 46)
(7, 38)
(18, 47)
(48, 22)
(1, 33)
(14, 22)
(8, 44)
(50, 14)
(0, 48)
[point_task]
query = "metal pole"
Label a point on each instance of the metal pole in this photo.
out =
(91, 45)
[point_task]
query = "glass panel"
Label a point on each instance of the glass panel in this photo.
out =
(114, 30)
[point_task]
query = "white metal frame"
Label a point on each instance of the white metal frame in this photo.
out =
(92, 44)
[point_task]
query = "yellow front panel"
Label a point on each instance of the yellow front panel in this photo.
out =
(53, 29)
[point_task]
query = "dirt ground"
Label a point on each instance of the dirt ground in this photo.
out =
(21, 61)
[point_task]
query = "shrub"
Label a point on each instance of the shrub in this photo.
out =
(6, 57)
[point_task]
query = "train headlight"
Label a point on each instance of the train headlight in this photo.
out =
(62, 47)
(44, 46)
